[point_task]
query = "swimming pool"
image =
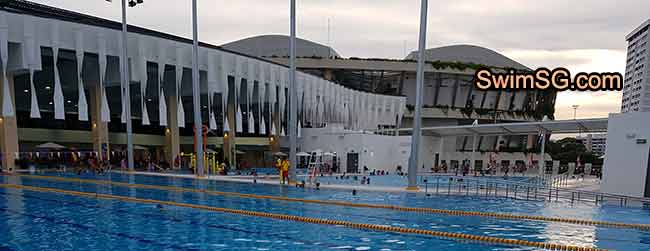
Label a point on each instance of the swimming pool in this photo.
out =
(46, 221)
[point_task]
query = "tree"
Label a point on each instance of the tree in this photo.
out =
(568, 149)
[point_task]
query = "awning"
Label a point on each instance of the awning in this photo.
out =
(520, 128)
(50, 145)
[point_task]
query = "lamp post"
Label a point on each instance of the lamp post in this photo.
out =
(417, 119)
(575, 110)
(293, 110)
(196, 91)
(126, 85)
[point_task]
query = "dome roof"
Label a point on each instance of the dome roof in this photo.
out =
(278, 45)
(468, 54)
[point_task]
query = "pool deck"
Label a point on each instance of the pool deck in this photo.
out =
(273, 180)
(587, 184)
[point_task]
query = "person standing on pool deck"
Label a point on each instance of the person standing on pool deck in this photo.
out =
(285, 171)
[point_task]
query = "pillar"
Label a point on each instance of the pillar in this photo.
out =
(99, 131)
(172, 133)
(472, 165)
(229, 139)
(530, 141)
(542, 164)
(328, 74)
(9, 133)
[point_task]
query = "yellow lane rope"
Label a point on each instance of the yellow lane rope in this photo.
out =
(358, 205)
(385, 228)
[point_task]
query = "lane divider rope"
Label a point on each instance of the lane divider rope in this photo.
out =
(358, 205)
(375, 227)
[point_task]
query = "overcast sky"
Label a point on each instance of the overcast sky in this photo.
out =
(582, 35)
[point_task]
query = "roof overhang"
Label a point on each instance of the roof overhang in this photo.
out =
(524, 128)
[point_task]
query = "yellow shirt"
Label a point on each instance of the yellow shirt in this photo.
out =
(285, 166)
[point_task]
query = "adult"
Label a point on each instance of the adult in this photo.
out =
(284, 170)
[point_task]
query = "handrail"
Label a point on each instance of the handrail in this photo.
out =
(518, 190)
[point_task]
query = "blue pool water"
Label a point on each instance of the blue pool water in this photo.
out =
(49, 221)
(394, 180)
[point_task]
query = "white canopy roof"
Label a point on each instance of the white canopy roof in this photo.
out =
(523, 128)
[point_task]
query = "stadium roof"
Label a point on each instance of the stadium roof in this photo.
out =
(523, 128)
(469, 54)
(278, 46)
(45, 11)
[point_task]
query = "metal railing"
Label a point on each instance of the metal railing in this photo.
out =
(539, 189)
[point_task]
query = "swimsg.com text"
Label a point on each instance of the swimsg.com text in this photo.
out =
(543, 79)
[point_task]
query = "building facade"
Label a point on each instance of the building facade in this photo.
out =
(61, 83)
(636, 86)
(595, 143)
(449, 96)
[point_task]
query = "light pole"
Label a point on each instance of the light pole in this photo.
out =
(293, 110)
(417, 119)
(196, 92)
(126, 85)
(575, 110)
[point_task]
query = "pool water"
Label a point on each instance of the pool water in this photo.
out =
(394, 180)
(50, 221)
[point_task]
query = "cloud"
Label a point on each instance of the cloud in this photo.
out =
(591, 104)
(582, 35)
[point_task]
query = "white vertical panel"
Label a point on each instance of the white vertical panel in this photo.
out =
(213, 86)
(377, 107)
(224, 66)
(7, 104)
(31, 48)
(82, 104)
(142, 72)
(239, 74)
(226, 125)
(262, 95)
(282, 94)
(179, 78)
(102, 61)
(251, 123)
(310, 99)
(238, 78)
(59, 112)
(400, 110)
(273, 95)
(251, 77)
(238, 120)
(162, 100)
(301, 98)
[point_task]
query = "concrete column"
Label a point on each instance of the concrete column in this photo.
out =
(530, 140)
(99, 129)
(541, 163)
(230, 142)
(441, 149)
(172, 134)
(472, 166)
(328, 74)
(9, 133)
